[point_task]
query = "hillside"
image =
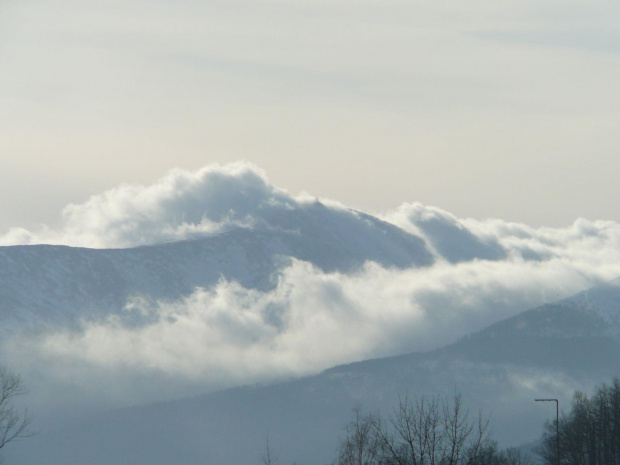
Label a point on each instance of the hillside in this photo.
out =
(58, 285)
(547, 351)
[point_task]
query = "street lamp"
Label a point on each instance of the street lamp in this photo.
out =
(557, 423)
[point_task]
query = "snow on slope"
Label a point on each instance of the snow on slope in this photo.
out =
(44, 283)
(603, 301)
(231, 222)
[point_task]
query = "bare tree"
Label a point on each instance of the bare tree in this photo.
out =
(427, 431)
(590, 433)
(268, 458)
(360, 445)
(490, 455)
(13, 424)
(514, 456)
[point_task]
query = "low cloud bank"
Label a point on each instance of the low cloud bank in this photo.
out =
(230, 335)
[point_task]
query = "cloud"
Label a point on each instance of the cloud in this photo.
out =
(230, 335)
(451, 239)
(219, 336)
(594, 245)
(181, 205)
(185, 204)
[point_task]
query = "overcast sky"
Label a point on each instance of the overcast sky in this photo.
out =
(483, 108)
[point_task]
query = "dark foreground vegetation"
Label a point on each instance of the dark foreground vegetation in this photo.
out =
(13, 423)
(590, 433)
(429, 431)
(436, 431)
(425, 431)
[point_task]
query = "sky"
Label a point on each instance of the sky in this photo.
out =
(485, 110)
(483, 127)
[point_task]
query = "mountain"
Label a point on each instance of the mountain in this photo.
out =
(574, 334)
(545, 352)
(45, 285)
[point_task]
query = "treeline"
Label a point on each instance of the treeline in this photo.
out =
(436, 431)
(424, 431)
(590, 433)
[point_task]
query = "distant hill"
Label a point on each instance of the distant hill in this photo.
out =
(548, 351)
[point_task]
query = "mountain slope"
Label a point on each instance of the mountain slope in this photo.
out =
(44, 284)
(548, 351)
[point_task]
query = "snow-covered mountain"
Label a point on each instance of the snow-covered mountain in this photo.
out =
(51, 285)
(578, 333)
(545, 352)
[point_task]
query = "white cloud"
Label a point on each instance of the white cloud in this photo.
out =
(180, 205)
(588, 245)
(230, 335)
(486, 270)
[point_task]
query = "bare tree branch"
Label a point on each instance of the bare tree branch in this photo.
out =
(13, 425)
(268, 457)
(429, 431)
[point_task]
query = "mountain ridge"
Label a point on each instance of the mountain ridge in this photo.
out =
(34, 275)
(305, 416)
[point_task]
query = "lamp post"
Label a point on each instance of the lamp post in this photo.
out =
(557, 424)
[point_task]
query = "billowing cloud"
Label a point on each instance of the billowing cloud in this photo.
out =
(230, 335)
(186, 204)
(591, 244)
(180, 205)
(452, 239)
(485, 270)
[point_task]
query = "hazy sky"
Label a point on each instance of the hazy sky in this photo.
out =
(483, 108)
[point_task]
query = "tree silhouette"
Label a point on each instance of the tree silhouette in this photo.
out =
(427, 431)
(13, 424)
(590, 433)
